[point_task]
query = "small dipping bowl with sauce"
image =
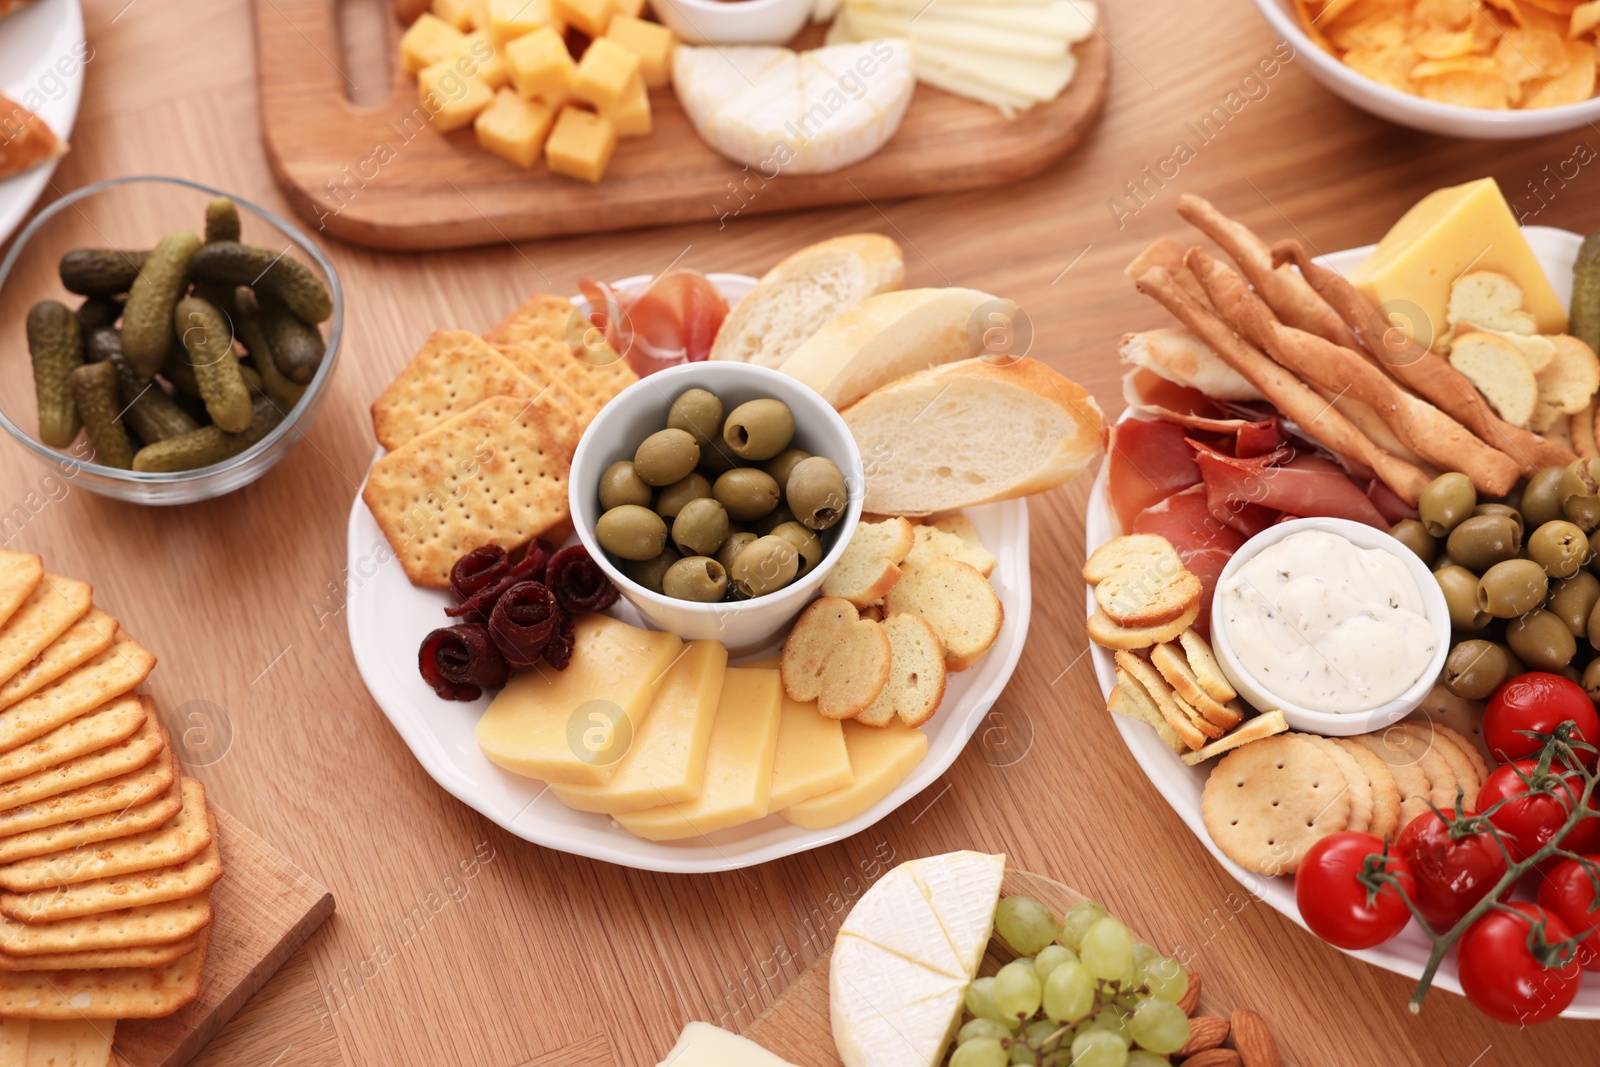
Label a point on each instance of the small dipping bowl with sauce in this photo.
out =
(734, 21)
(1333, 622)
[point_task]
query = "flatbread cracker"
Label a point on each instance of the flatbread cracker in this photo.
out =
(1133, 670)
(1204, 665)
(116, 671)
(1265, 804)
(147, 742)
(142, 956)
(1408, 777)
(187, 879)
(155, 924)
(121, 993)
(53, 606)
(101, 728)
(1360, 785)
(1130, 700)
(1385, 793)
(82, 641)
(122, 793)
(20, 575)
(1463, 716)
(122, 821)
(549, 340)
(177, 841)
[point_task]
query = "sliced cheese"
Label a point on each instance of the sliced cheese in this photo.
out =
(738, 775)
(867, 980)
(574, 726)
(811, 757)
(67, 1043)
(880, 758)
(1041, 79)
(913, 1034)
(963, 888)
(897, 917)
(931, 29)
(667, 762)
(704, 1045)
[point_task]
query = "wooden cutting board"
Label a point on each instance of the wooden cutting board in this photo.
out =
(382, 177)
(263, 909)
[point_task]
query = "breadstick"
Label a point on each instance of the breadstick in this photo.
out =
(1292, 397)
(1165, 252)
(1288, 294)
(1371, 423)
(1426, 372)
(1426, 430)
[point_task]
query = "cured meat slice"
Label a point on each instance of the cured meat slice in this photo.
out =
(1204, 544)
(1149, 461)
(673, 320)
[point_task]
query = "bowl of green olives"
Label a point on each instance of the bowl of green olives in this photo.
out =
(717, 496)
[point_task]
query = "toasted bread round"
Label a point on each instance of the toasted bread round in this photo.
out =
(836, 658)
(1140, 581)
(869, 565)
(916, 674)
(1500, 374)
(1107, 632)
(957, 601)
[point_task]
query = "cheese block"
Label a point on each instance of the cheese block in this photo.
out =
(574, 726)
(1447, 233)
(704, 1045)
(880, 757)
(811, 757)
(67, 1043)
(898, 917)
(962, 888)
(738, 776)
(667, 761)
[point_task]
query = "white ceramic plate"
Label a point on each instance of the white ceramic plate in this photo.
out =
(37, 46)
(1407, 954)
(388, 618)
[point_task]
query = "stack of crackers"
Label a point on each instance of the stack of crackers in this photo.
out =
(481, 431)
(107, 853)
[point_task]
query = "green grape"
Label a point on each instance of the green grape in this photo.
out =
(1097, 1048)
(1025, 961)
(1068, 992)
(1112, 1020)
(980, 1001)
(1079, 918)
(1024, 1056)
(1107, 949)
(1140, 1058)
(1143, 954)
(1017, 991)
(1035, 1034)
(1049, 958)
(981, 1052)
(1166, 979)
(1038, 1030)
(1025, 924)
(981, 1028)
(1160, 1026)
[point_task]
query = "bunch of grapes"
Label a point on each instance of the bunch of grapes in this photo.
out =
(1082, 993)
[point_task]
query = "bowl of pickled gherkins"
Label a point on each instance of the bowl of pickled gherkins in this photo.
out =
(180, 340)
(717, 496)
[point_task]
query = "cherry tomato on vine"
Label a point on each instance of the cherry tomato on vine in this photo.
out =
(1507, 981)
(1539, 702)
(1530, 820)
(1568, 892)
(1333, 898)
(1454, 868)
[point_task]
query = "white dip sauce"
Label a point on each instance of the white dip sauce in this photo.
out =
(1328, 626)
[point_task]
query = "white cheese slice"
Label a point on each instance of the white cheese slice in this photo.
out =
(868, 983)
(897, 915)
(1069, 20)
(912, 1035)
(704, 1045)
(871, 21)
(963, 888)
(1040, 79)
(963, 85)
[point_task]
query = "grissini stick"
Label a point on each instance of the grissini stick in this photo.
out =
(1421, 369)
(1296, 400)
(1165, 252)
(1427, 431)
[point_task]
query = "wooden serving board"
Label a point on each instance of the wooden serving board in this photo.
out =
(383, 177)
(263, 909)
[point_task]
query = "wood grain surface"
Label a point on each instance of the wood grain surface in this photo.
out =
(456, 943)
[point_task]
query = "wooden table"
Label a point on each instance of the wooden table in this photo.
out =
(456, 943)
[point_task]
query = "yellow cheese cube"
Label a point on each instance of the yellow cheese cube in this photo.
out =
(811, 759)
(880, 758)
(590, 16)
(576, 725)
(631, 116)
(1445, 234)
(510, 19)
(738, 778)
(429, 40)
(513, 128)
(631, 8)
(667, 763)
(450, 95)
(604, 73)
(540, 64)
(650, 41)
(457, 13)
(483, 60)
(478, 14)
(581, 145)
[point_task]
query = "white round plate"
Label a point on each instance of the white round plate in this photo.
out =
(388, 618)
(37, 44)
(1407, 954)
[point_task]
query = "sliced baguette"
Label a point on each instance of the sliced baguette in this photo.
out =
(916, 674)
(797, 297)
(957, 601)
(836, 658)
(935, 542)
(1567, 384)
(1488, 298)
(1500, 374)
(870, 564)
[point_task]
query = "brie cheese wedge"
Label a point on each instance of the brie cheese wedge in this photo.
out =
(704, 1045)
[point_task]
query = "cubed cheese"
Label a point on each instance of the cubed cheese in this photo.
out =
(457, 13)
(478, 12)
(631, 8)
(484, 61)
(450, 95)
(631, 116)
(604, 73)
(581, 145)
(880, 758)
(510, 19)
(590, 16)
(650, 41)
(429, 40)
(513, 128)
(540, 64)
(812, 758)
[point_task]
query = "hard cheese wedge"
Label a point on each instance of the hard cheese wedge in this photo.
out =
(704, 1045)
(880, 758)
(572, 726)
(811, 759)
(667, 762)
(738, 778)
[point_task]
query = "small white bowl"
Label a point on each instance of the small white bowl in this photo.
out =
(1329, 723)
(1450, 120)
(734, 21)
(640, 410)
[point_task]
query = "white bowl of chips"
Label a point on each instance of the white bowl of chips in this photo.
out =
(1514, 70)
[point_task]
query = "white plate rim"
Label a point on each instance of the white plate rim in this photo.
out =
(20, 192)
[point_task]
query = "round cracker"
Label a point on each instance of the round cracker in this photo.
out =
(1356, 780)
(1412, 783)
(1463, 716)
(1385, 792)
(1467, 780)
(1265, 804)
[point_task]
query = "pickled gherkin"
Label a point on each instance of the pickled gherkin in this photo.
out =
(100, 271)
(222, 220)
(296, 345)
(209, 342)
(94, 388)
(208, 444)
(266, 271)
(56, 346)
(147, 317)
(1585, 317)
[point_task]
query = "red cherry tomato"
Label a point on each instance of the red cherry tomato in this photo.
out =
(1504, 979)
(1530, 820)
(1333, 900)
(1454, 869)
(1538, 702)
(1569, 893)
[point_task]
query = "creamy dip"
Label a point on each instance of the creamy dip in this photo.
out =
(1326, 625)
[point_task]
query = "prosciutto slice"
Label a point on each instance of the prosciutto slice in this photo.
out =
(1304, 486)
(673, 320)
(1204, 544)
(1154, 396)
(1149, 461)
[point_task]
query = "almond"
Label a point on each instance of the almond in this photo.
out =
(1213, 1057)
(1205, 1032)
(1254, 1040)
(1191, 996)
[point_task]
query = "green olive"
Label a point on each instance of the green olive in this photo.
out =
(1541, 497)
(1460, 588)
(1517, 666)
(676, 495)
(619, 485)
(1482, 541)
(759, 429)
(1580, 493)
(666, 456)
(1474, 669)
(698, 578)
(650, 572)
(805, 542)
(717, 459)
(632, 532)
(1590, 680)
(1500, 509)
(747, 492)
(1571, 674)
(766, 564)
(698, 413)
(1572, 600)
(1512, 587)
(1594, 550)
(1542, 641)
(772, 520)
(1445, 502)
(700, 527)
(783, 464)
(1512, 499)
(1442, 562)
(1559, 547)
(816, 492)
(1415, 536)
(734, 545)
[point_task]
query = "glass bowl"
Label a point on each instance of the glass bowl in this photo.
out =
(136, 212)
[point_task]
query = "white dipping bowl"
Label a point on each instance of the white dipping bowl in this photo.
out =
(734, 21)
(1331, 723)
(640, 410)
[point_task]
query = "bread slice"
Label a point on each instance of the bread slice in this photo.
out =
(1133, 671)
(1204, 666)
(971, 433)
(1499, 372)
(1130, 700)
(797, 297)
(937, 542)
(1488, 298)
(836, 658)
(1108, 633)
(1535, 349)
(957, 601)
(1567, 384)
(1170, 660)
(870, 563)
(889, 336)
(916, 674)
(26, 140)
(1140, 581)
(1173, 353)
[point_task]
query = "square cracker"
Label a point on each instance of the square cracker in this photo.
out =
(119, 993)
(124, 792)
(187, 879)
(20, 575)
(153, 924)
(146, 743)
(121, 821)
(99, 729)
(549, 339)
(140, 956)
(53, 606)
(491, 474)
(81, 642)
(118, 669)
